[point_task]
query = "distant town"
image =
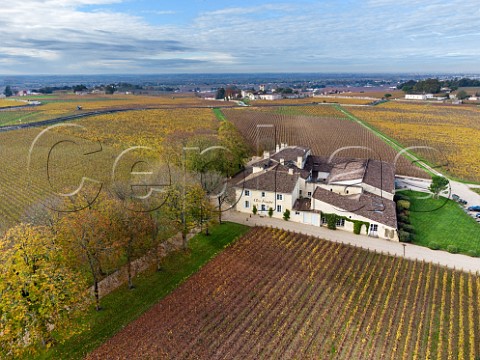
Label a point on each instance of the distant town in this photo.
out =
(251, 87)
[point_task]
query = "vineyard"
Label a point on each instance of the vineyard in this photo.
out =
(322, 128)
(64, 105)
(8, 103)
(78, 153)
(275, 294)
(453, 131)
(312, 100)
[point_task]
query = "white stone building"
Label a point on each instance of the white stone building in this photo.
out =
(352, 193)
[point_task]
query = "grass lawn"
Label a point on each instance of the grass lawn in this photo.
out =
(123, 306)
(477, 190)
(444, 222)
(219, 114)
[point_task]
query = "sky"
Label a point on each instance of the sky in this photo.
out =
(206, 36)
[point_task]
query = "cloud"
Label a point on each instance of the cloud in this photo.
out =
(374, 35)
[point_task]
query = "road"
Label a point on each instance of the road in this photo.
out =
(412, 252)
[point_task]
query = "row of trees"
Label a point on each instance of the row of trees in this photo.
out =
(434, 85)
(51, 260)
(49, 263)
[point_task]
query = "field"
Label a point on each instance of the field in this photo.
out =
(453, 131)
(312, 100)
(7, 103)
(78, 153)
(66, 104)
(275, 294)
(322, 128)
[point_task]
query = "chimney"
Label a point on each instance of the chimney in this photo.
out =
(266, 154)
(277, 148)
(299, 161)
(282, 161)
(290, 171)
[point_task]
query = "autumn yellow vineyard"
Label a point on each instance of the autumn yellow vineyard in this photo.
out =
(86, 147)
(453, 131)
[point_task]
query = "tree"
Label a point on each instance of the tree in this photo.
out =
(462, 94)
(216, 161)
(220, 94)
(110, 89)
(387, 96)
(181, 209)
(427, 86)
(286, 215)
(439, 184)
(8, 91)
(79, 88)
(88, 238)
(270, 212)
(407, 87)
(135, 231)
(199, 208)
(39, 294)
(254, 210)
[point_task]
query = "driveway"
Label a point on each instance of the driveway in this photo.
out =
(413, 252)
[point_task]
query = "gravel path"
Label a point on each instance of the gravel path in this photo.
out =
(414, 252)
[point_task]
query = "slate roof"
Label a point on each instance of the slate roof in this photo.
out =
(368, 205)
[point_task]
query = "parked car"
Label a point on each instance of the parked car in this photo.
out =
(477, 216)
(474, 208)
(457, 198)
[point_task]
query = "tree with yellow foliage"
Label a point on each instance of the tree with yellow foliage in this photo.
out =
(39, 296)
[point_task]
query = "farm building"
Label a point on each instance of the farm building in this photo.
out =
(270, 96)
(353, 193)
(418, 96)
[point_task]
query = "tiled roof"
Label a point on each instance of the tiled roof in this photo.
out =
(271, 180)
(381, 175)
(376, 173)
(368, 205)
(302, 204)
(290, 153)
(346, 170)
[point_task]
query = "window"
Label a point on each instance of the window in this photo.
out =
(300, 192)
(263, 193)
(279, 208)
(297, 212)
(340, 222)
(373, 228)
(263, 208)
(309, 193)
(247, 204)
(247, 192)
(324, 220)
(279, 197)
